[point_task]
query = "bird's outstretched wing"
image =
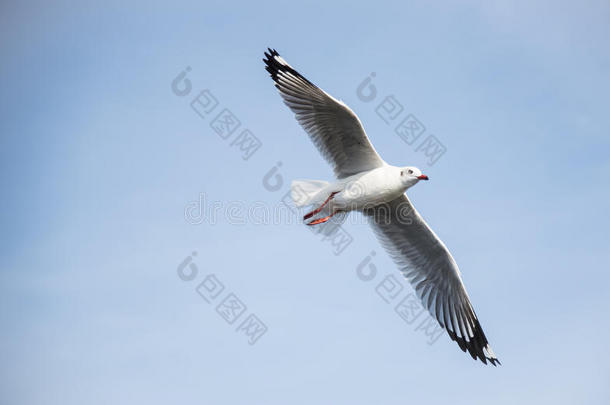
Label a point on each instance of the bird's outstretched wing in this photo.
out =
(333, 127)
(425, 261)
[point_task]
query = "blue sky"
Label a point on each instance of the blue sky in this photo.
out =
(101, 160)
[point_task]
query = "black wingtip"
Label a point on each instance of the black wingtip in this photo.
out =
(269, 55)
(274, 64)
(474, 347)
(271, 64)
(495, 362)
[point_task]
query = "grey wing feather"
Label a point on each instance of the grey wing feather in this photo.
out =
(332, 126)
(427, 264)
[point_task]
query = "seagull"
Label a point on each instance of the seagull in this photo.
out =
(367, 184)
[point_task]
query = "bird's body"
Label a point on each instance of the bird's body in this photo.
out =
(362, 191)
(366, 183)
(370, 188)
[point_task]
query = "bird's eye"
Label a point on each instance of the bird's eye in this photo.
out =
(401, 172)
(410, 171)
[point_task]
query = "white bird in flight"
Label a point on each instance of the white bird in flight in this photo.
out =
(366, 183)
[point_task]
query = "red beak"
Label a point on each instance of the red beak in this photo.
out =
(423, 177)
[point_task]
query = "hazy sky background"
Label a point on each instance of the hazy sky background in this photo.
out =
(100, 159)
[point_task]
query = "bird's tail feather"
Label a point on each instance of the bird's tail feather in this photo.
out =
(307, 192)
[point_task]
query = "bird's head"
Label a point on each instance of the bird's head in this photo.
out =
(411, 175)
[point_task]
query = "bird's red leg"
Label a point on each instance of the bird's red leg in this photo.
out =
(321, 220)
(314, 212)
